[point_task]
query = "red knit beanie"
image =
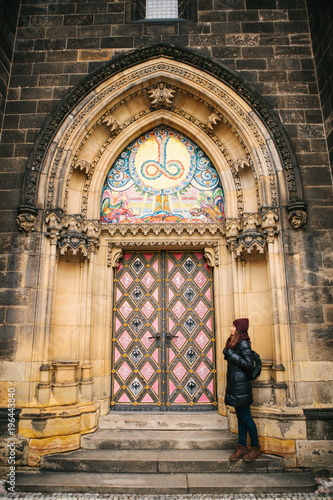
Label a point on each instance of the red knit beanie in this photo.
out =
(241, 325)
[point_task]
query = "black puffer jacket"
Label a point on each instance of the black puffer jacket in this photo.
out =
(239, 389)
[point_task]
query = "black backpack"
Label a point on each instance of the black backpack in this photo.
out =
(256, 368)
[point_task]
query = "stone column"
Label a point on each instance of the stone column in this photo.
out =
(48, 269)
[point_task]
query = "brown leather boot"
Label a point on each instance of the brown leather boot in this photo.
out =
(254, 453)
(239, 453)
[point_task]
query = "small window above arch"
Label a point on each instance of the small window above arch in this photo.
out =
(163, 10)
(157, 9)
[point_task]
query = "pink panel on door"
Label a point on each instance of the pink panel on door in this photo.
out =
(209, 294)
(171, 324)
(124, 399)
(116, 386)
(203, 399)
(119, 267)
(117, 354)
(118, 324)
(178, 255)
(210, 355)
(172, 387)
(207, 266)
(171, 294)
(147, 342)
(118, 294)
(155, 387)
(170, 265)
(155, 355)
(211, 386)
(155, 265)
(198, 255)
(209, 324)
(180, 399)
(147, 399)
(171, 355)
(155, 324)
(155, 295)
(148, 255)
(127, 255)
(147, 371)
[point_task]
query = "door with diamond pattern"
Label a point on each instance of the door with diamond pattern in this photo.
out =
(163, 349)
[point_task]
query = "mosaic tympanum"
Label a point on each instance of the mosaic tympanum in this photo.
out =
(162, 176)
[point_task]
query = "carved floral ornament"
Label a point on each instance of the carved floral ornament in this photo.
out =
(113, 68)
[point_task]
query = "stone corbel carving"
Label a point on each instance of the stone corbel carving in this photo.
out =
(212, 121)
(73, 223)
(161, 95)
(269, 218)
(114, 256)
(54, 224)
(83, 165)
(241, 163)
(297, 214)
(72, 242)
(232, 228)
(250, 242)
(111, 122)
(27, 218)
(209, 255)
(92, 231)
(250, 222)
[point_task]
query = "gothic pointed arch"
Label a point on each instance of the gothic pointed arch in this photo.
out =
(167, 81)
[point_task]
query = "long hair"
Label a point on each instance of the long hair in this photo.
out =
(232, 341)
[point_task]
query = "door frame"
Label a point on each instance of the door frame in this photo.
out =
(165, 405)
(211, 248)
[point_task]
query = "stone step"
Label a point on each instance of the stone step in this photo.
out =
(163, 421)
(83, 482)
(159, 440)
(157, 461)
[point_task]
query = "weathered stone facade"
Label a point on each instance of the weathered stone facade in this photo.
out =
(242, 82)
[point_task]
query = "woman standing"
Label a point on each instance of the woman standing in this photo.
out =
(239, 356)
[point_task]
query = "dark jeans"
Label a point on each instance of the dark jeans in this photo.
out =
(246, 425)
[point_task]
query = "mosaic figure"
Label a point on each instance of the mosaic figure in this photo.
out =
(162, 177)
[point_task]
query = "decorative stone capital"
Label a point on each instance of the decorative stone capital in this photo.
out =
(54, 225)
(232, 227)
(250, 221)
(297, 214)
(27, 218)
(209, 254)
(74, 243)
(161, 95)
(269, 217)
(250, 242)
(114, 256)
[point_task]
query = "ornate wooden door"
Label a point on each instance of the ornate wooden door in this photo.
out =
(163, 349)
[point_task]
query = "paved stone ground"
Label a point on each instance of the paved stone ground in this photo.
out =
(325, 490)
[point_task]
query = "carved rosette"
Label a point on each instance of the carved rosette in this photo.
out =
(297, 214)
(27, 218)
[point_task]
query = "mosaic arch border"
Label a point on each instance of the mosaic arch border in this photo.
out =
(77, 95)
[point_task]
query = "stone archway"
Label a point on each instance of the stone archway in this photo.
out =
(71, 356)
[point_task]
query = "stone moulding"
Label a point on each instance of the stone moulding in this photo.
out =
(115, 249)
(34, 165)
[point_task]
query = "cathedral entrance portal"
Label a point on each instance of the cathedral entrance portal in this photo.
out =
(163, 349)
